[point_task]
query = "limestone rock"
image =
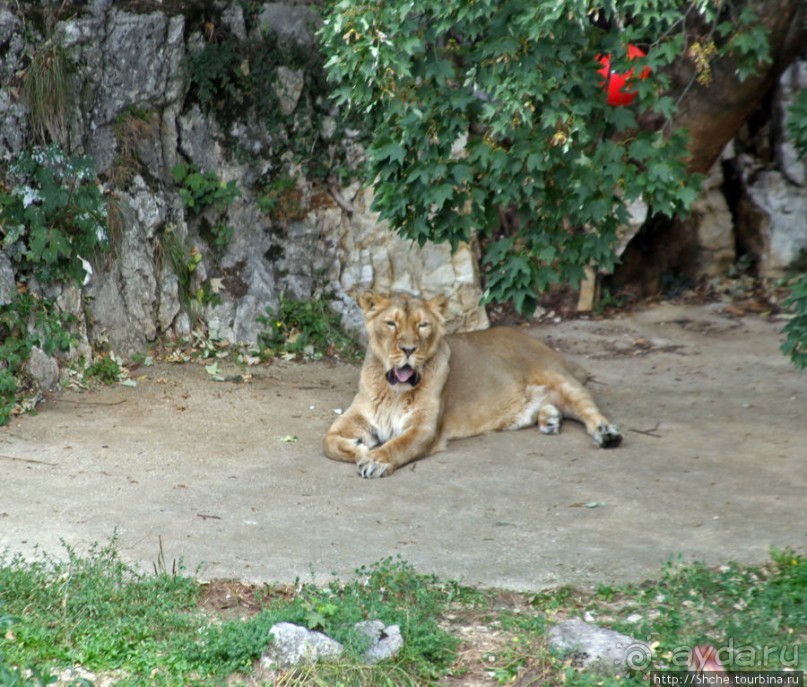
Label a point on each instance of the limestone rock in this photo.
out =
(168, 299)
(43, 369)
(8, 284)
(372, 256)
(124, 297)
(248, 279)
(131, 60)
(293, 645)
(199, 139)
(233, 18)
(288, 88)
(385, 641)
(13, 112)
(289, 22)
(13, 124)
(714, 226)
(598, 649)
(9, 27)
(133, 111)
(782, 208)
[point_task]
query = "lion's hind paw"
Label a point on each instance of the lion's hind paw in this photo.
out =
(607, 436)
(369, 468)
(549, 419)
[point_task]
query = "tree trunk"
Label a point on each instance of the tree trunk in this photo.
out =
(712, 114)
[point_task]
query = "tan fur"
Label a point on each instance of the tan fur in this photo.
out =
(466, 384)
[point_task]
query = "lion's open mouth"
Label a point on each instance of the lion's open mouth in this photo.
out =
(403, 375)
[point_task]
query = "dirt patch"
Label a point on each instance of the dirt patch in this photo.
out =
(233, 599)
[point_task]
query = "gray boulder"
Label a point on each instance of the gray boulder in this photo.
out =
(290, 22)
(42, 369)
(385, 641)
(598, 649)
(293, 645)
(782, 207)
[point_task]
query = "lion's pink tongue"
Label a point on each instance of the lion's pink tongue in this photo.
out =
(404, 373)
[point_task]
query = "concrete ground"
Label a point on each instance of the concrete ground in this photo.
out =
(229, 477)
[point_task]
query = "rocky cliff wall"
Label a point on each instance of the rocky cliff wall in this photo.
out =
(237, 96)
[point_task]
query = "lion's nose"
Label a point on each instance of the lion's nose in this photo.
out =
(408, 350)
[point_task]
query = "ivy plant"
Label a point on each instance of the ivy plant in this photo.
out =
(54, 215)
(492, 117)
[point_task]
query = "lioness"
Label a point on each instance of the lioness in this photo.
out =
(419, 388)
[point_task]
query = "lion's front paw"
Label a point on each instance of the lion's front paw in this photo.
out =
(368, 468)
(607, 436)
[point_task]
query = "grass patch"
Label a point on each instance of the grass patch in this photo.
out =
(46, 88)
(757, 615)
(161, 629)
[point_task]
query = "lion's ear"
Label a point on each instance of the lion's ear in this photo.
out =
(370, 302)
(440, 305)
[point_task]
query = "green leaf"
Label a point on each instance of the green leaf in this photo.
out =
(441, 194)
(391, 150)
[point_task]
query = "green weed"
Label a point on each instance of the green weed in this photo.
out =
(742, 609)
(755, 616)
(35, 676)
(106, 370)
(305, 327)
(184, 260)
(176, 253)
(97, 612)
(217, 78)
(200, 190)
